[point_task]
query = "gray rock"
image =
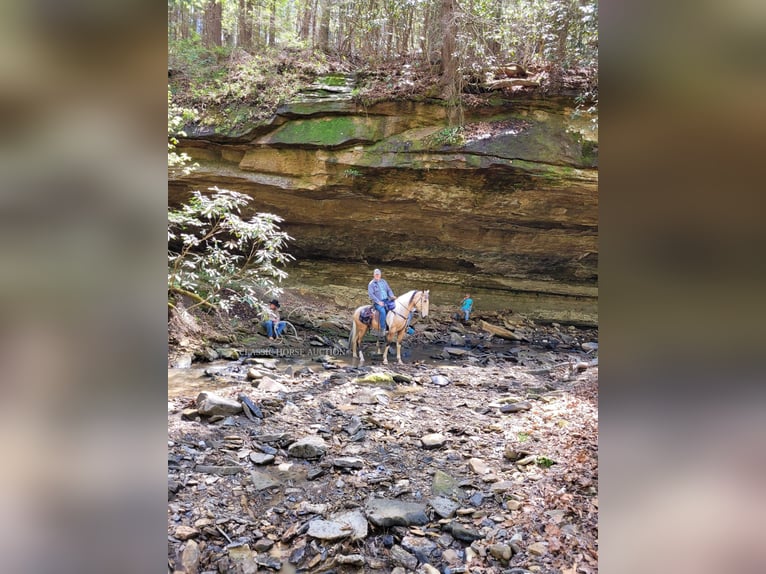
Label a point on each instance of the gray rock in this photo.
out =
(184, 532)
(478, 466)
(207, 354)
(433, 440)
(311, 446)
(269, 385)
(353, 427)
(500, 551)
(210, 404)
(268, 561)
(420, 546)
(329, 530)
(400, 556)
(444, 507)
(350, 559)
(385, 513)
(182, 361)
(263, 545)
(190, 558)
(348, 462)
(462, 533)
(456, 339)
(456, 351)
(515, 407)
(444, 485)
(538, 548)
(440, 380)
(262, 480)
(477, 499)
(356, 520)
(261, 458)
(591, 346)
(502, 486)
(228, 354)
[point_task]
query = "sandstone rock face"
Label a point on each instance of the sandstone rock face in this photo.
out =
(515, 197)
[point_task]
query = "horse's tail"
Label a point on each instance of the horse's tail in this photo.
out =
(352, 335)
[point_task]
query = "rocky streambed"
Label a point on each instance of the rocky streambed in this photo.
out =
(479, 454)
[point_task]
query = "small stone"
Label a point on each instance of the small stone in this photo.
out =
(500, 551)
(311, 446)
(478, 466)
(228, 354)
(385, 513)
(182, 361)
(440, 380)
(503, 486)
(261, 458)
(512, 504)
(433, 440)
(348, 462)
(462, 533)
(515, 407)
(401, 556)
(269, 385)
(263, 545)
(190, 558)
(443, 506)
(210, 404)
(538, 548)
(590, 346)
(184, 532)
(262, 481)
(510, 452)
(351, 559)
(328, 530)
(190, 414)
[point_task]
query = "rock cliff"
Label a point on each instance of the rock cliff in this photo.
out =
(514, 196)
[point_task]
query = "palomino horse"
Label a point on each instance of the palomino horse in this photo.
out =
(396, 319)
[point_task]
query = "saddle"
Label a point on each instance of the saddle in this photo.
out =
(366, 315)
(370, 317)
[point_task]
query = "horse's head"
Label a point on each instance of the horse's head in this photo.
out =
(422, 303)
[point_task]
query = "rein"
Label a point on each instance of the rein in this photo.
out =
(406, 306)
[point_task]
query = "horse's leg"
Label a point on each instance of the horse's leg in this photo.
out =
(399, 347)
(360, 337)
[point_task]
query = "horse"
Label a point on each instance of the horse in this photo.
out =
(396, 319)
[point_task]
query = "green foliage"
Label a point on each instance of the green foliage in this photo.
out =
(177, 118)
(219, 82)
(213, 254)
(452, 136)
(545, 462)
(523, 437)
(218, 256)
(352, 172)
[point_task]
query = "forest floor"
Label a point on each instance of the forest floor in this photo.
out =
(478, 454)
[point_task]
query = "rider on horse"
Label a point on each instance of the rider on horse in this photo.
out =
(379, 292)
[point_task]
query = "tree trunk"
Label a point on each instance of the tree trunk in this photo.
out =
(493, 45)
(450, 81)
(273, 24)
(305, 23)
(211, 32)
(323, 39)
(257, 41)
(245, 21)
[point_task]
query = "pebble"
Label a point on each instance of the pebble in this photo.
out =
(184, 532)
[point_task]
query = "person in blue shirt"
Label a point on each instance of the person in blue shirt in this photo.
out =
(466, 306)
(273, 324)
(379, 292)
